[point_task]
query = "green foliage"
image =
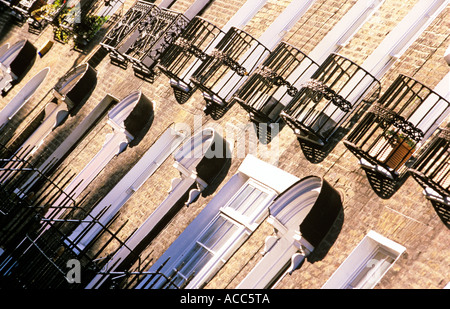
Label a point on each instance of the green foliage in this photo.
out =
(400, 137)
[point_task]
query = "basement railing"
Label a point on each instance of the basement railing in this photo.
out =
(36, 251)
(431, 170)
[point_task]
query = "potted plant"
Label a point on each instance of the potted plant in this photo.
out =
(402, 148)
(393, 148)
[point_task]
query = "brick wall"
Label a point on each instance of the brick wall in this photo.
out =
(407, 217)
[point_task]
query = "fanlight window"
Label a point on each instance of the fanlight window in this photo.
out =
(396, 126)
(273, 84)
(326, 103)
(185, 53)
(234, 58)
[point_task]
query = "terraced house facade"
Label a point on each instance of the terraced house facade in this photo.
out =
(199, 144)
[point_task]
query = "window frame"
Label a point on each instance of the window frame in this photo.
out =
(244, 226)
(361, 256)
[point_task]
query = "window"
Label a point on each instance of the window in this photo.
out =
(372, 270)
(236, 220)
(367, 264)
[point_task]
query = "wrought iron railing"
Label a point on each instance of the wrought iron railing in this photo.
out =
(431, 168)
(126, 24)
(156, 38)
(187, 52)
(148, 40)
(69, 20)
(227, 66)
(330, 99)
(273, 84)
(21, 9)
(396, 126)
(35, 249)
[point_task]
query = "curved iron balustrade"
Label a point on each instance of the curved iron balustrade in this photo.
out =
(432, 170)
(185, 53)
(327, 102)
(274, 82)
(432, 166)
(395, 127)
(234, 58)
(127, 23)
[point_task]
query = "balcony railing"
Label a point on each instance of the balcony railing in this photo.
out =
(395, 127)
(21, 9)
(152, 35)
(126, 24)
(328, 101)
(432, 171)
(185, 53)
(273, 84)
(231, 61)
(432, 166)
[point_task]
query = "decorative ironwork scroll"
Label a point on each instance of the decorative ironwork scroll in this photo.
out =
(329, 100)
(144, 46)
(389, 117)
(220, 75)
(274, 83)
(273, 78)
(168, 37)
(190, 48)
(225, 59)
(127, 23)
(318, 90)
(181, 58)
(391, 138)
